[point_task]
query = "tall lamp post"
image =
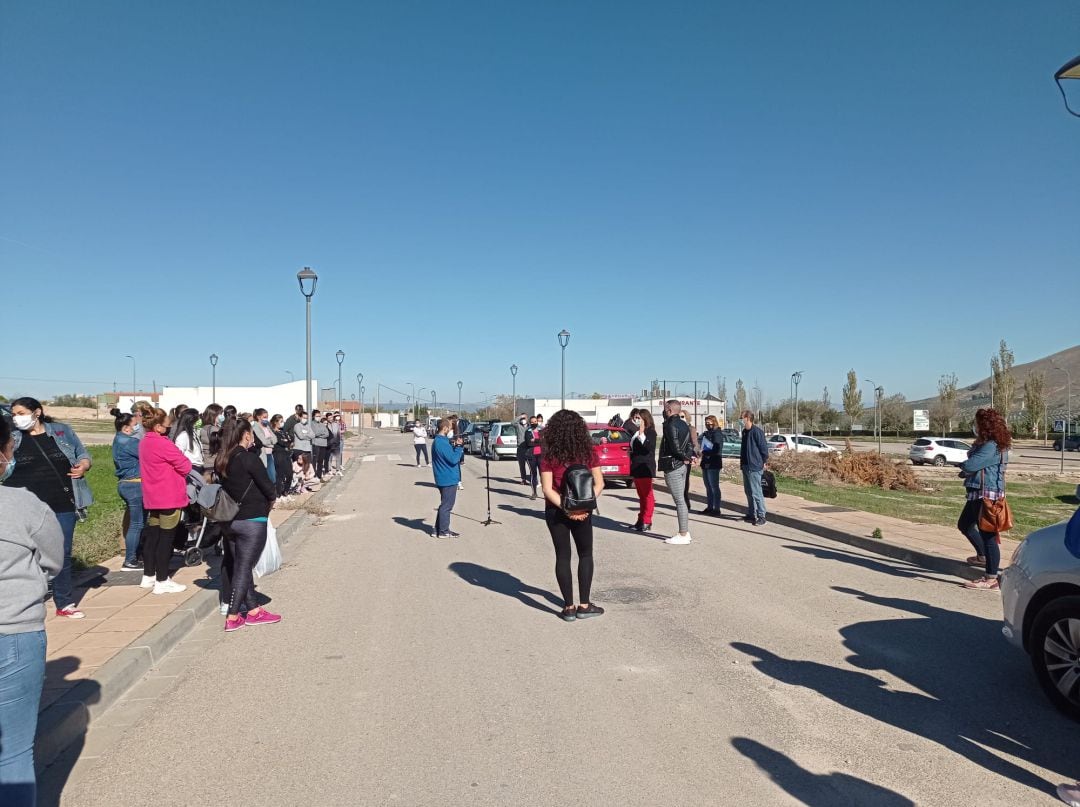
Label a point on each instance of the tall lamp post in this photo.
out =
(308, 280)
(564, 340)
(132, 379)
(1068, 418)
(434, 401)
(459, 398)
(416, 403)
(360, 390)
(513, 381)
(340, 356)
(878, 390)
(291, 376)
(213, 372)
(796, 377)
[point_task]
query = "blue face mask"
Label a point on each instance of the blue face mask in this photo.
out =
(138, 428)
(220, 419)
(265, 422)
(8, 471)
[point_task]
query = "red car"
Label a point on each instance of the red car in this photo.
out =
(611, 449)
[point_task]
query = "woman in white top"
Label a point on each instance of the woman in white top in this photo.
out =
(420, 442)
(188, 441)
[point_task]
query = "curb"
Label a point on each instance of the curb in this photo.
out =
(880, 546)
(68, 719)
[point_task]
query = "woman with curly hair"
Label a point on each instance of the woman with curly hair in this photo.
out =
(567, 442)
(984, 478)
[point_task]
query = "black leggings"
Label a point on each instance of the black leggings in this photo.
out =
(321, 459)
(562, 528)
(244, 542)
(283, 466)
(421, 448)
(158, 534)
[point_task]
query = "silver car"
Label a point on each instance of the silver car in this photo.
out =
(502, 441)
(474, 437)
(1040, 595)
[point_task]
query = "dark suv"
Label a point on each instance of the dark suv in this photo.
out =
(1072, 443)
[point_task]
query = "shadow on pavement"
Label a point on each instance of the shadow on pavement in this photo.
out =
(860, 560)
(505, 583)
(817, 790)
(424, 484)
(52, 780)
(535, 512)
(981, 700)
(413, 524)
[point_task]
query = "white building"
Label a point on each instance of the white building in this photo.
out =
(279, 399)
(603, 410)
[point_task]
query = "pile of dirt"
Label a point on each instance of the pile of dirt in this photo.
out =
(854, 468)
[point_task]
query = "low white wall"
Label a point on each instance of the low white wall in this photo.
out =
(278, 400)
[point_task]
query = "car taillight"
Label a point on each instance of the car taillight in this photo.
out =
(498, 441)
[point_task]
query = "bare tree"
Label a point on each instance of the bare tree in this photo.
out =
(741, 404)
(721, 387)
(946, 386)
(756, 399)
(1035, 401)
(1002, 378)
(852, 396)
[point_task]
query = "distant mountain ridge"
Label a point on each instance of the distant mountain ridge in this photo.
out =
(971, 397)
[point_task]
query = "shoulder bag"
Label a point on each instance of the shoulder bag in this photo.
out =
(995, 515)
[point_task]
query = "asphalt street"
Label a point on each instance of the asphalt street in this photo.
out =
(1023, 457)
(756, 666)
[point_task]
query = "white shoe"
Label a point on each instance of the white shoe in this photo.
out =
(224, 609)
(460, 486)
(681, 540)
(168, 587)
(147, 582)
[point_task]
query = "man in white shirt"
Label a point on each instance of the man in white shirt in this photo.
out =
(420, 443)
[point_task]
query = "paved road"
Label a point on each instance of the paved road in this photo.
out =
(1034, 459)
(753, 667)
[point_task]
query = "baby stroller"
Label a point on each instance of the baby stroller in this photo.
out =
(199, 535)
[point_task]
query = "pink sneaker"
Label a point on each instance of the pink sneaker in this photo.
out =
(234, 623)
(264, 617)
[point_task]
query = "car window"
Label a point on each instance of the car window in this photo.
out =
(611, 435)
(922, 441)
(810, 441)
(778, 438)
(961, 445)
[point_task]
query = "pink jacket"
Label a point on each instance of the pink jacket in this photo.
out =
(164, 471)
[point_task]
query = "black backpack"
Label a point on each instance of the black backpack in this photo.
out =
(578, 491)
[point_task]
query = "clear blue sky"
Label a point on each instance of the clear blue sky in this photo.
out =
(693, 189)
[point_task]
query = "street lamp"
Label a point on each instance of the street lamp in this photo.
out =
(416, 403)
(877, 411)
(513, 377)
(1070, 69)
(340, 356)
(308, 280)
(564, 340)
(213, 370)
(291, 376)
(434, 401)
(132, 380)
(360, 389)
(459, 398)
(796, 377)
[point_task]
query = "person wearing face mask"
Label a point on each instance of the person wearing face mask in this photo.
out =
(420, 442)
(302, 437)
(264, 441)
(676, 457)
(530, 445)
(164, 475)
(712, 462)
(753, 460)
(643, 466)
(333, 444)
(244, 478)
(521, 427)
(31, 551)
(212, 418)
(51, 463)
(321, 436)
(281, 457)
(294, 418)
(125, 456)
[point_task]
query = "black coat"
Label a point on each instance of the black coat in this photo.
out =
(643, 456)
(714, 457)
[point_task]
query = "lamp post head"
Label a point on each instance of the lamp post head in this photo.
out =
(459, 386)
(340, 356)
(564, 337)
(1071, 69)
(308, 281)
(213, 359)
(513, 369)
(359, 378)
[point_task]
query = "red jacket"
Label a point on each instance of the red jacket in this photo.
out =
(164, 470)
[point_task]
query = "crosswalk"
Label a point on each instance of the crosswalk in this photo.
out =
(374, 457)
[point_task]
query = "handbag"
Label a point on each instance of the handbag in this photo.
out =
(768, 484)
(995, 515)
(217, 505)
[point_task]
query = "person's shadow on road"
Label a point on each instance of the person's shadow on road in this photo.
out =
(52, 780)
(413, 524)
(505, 583)
(817, 790)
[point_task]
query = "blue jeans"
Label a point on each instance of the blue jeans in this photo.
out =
(63, 594)
(755, 502)
(22, 675)
(271, 470)
(448, 495)
(131, 493)
(712, 487)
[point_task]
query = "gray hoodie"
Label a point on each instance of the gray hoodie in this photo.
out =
(322, 434)
(31, 552)
(302, 435)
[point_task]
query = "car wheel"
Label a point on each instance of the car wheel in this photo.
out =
(1055, 646)
(939, 460)
(1056, 446)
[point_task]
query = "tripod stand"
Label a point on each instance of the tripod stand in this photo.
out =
(487, 474)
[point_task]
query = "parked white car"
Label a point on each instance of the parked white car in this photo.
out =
(798, 442)
(938, 451)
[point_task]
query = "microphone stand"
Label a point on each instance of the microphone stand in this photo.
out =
(487, 472)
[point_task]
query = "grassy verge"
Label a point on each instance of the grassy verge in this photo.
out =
(99, 537)
(1035, 504)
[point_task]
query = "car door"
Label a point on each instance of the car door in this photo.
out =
(810, 444)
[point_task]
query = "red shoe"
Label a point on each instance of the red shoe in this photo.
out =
(234, 623)
(264, 617)
(70, 611)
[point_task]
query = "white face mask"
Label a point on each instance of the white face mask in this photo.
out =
(24, 422)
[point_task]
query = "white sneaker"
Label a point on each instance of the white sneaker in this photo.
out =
(147, 582)
(168, 587)
(224, 609)
(678, 539)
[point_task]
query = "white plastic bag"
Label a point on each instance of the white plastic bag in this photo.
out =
(270, 559)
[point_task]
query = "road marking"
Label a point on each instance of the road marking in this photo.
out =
(394, 457)
(369, 458)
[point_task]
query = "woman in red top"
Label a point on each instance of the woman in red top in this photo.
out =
(164, 470)
(567, 442)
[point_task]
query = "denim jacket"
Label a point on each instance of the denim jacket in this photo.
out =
(984, 469)
(74, 450)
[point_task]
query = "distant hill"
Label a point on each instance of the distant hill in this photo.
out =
(973, 396)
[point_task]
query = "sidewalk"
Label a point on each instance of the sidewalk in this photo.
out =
(91, 662)
(942, 549)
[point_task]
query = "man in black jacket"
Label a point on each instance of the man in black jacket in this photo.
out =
(753, 460)
(676, 457)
